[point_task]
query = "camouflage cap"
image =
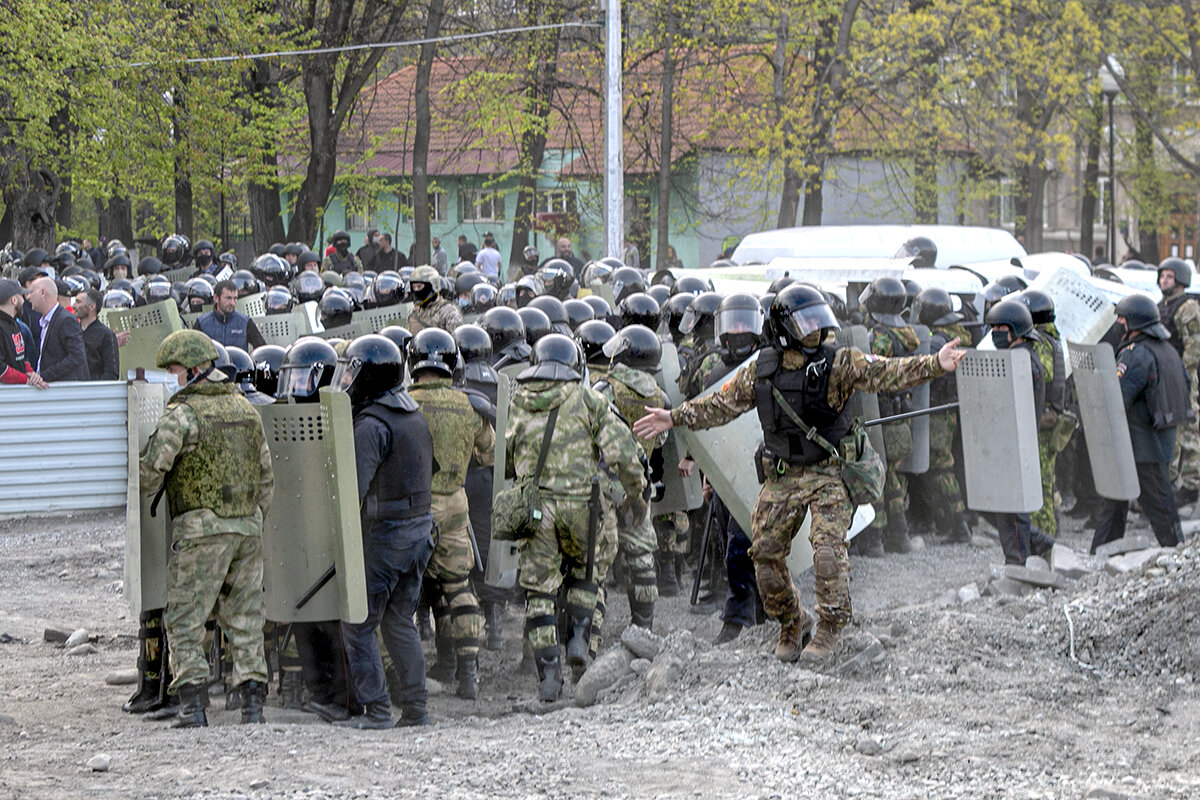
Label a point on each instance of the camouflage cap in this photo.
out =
(425, 274)
(188, 348)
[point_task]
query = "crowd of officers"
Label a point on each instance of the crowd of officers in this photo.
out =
(589, 408)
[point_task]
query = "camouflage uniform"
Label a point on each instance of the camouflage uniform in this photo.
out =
(458, 433)
(630, 391)
(788, 495)
(1184, 316)
(897, 438)
(671, 530)
(351, 263)
(440, 313)
(586, 430)
(1046, 518)
(948, 497)
(210, 450)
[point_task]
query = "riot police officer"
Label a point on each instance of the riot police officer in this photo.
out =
(1180, 315)
(430, 309)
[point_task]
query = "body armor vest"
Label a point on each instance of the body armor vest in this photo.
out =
(1166, 312)
(1169, 399)
(397, 490)
(452, 423)
(222, 473)
(631, 406)
(806, 391)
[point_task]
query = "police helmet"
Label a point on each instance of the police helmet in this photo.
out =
(627, 281)
(399, 336)
(689, 284)
(387, 289)
(530, 254)
(664, 278)
(435, 350)
(173, 250)
(483, 298)
(596, 272)
(293, 249)
(934, 307)
(675, 309)
(271, 269)
(504, 326)
(556, 276)
(159, 289)
(635, 346)
(268, 359)
(243, 367)
(336, 307)
(921, 251)
(613, 262)
(698, 319)
(1040, 306)
(556, 358)
(204, 253)
(245, 282)
(306, 258)
(465, 282)
(474, 343)
(331, 278)
(639, 308)
(578, 312)
(600, 306)
(527, 288)
(797, 312)
(340, 239)
(199, 294)
(506, 296)
(738, 325)
(1015, 314)
(278, 300)
(369, 366)
(780, 283)
(884, 299)
(1141, 314)
(118, 298)
(1000, 288)
(536, 323)
(187, 348)
(1183, 273)
(553, 308)
(308, 287)
(307, 366)
(425, 284)
(660, 293)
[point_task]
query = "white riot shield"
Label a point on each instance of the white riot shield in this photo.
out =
(863, 405)
(917, 461)
(1105, 426)
(502, 557)
(147, 538)
(314, 519)
(999, 432)
(1082, 312)
(283, 329)
(668, 377)
(252, 304)
(147, 327)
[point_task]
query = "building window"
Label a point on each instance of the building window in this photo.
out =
(482, 205)
(437, 206)
(359, 220)
(556, 202)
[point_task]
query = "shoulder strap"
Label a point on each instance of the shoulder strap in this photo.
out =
(809, 430)
(545, 450)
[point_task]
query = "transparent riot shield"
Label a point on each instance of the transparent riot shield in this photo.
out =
(917, 461)
(863, 405)
(1083, 313)
(283, 329)
(147, 327)
(999, 431)
(502, 560)
(147, 538)
(313, 524)
(1105, 426)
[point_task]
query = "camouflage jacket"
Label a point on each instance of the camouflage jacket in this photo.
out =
(631, 390)
(585, 430)
(351, 263)
(1185, 324)
(852, 371)
(944, 390)
(177, 433)
(441, 313)
(458, 432)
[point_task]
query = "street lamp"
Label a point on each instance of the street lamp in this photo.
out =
(1108, 73)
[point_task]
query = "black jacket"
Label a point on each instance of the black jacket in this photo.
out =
(63, 356)
(100, 344)
(1140, 368)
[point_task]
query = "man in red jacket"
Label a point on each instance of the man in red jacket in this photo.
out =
(16, 368)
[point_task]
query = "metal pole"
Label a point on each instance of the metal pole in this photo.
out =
(614, 169)
(1112, 188)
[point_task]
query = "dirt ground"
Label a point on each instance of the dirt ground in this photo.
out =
(932, 699)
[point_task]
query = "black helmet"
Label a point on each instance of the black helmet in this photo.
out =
(307, 366)
(504, 326)
(1183, 273)
(536, 323)
(35, 257)
(1134, 263)
(1000, 288)
(202, 258)
(268, 358)
(600, 306)
(698, 319)
(557, 277)
(172, 250)
(278, 300)
(660, 293)
(356, 285)
(596, 272)
(229, 259)
(147, 266)
(1040, 306)
(639, 308)
(474, 343)
(271, 269)
(118, 298)
(530, 254)
(447, 287)
(798, 311)
(1016, 316)
(199, 294)
(158, 289)
(664, 278)
(339, 237)
(635, 346)
(627, 281)
(921, 250)
(779, 284)
(556, 358)
(933, 307)
(306, 258)
(399, 336)
(1141, 314)
(336, 307)
(370, 366)
(433, 349)
(120, 260)
(612, 261)
(243, 367)
(293, 249)
(884, 299)
(276, 249)
(308, 287)
(483, 298)
(578, 312)
(553, 308)
(527, 288)
(676, 307)
(245, 282)
(386, 290)
(689, 284)
(467, 281)
(592, 336)
(738, 324)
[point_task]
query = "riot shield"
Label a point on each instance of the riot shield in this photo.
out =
(147, 538)
(189, 319)
(147, 327)
(373, 320)
(1105, 426)
(283, 329)
(1082, 312)
(863, 405)
(179, 274)
(999, 431)
(679, 493)
(917, 461)
(252, 304)
(668, 376)
(314, 520)
(351, 330)
(502, 559)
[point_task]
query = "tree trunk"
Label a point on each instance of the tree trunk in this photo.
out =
(420, 168)
(60, 123)
(662, 260)
(1151, 202)
(183, 178)
(266, 214)
(115, 220)
(1091, 181)
(33, 198)
(322, 163)
(789, 197)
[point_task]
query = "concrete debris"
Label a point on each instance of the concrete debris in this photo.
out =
(259, 783)
(1134, 561)
(77, 638)
(870, 653)
(664, 674)
(121, 677)
(84, 649)
(99, 763)
(969, 593)
(1037, 564)
(1103, 792)
(608, 668)
(641, 642)
(640, 666)
(868, 746)
(1124, 545)
(1072, 564)
(1004, 587)
(1035, 577)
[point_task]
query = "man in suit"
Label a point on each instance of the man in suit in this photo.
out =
(61, 353)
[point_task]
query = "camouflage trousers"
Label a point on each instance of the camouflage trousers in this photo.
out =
(449, 570)
(894, 501)
(557, 555)
(221, 572)
(637, 542)
(1046, 517)
(941, 477)
(777, 516)
(671, 531)
(1185, 463)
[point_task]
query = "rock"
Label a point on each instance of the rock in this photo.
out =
(1189, 526)
(259, 783)
(82, 650)
(641, 642)
(946, 599)
(917, 543)
(1034, 577)
(907, 755)
(1104, 792)
(1004, 587)
(1124, 545)
(434, 686)
(121, 677)
(1037, 563)
(181, 774)
(969, 593)
(864, 658)
(7, 720)
(1155, 572)
(77, 638)
(1133, 561)
(663, 674)
(868, 746)
(608, 668)
(1072, 564)
(99, 763)
(55, 635)
(640, 665)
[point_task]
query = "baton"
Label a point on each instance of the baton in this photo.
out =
(316, 587)
(474, 546)
(593, 526)
(910, 414)
(703, 551)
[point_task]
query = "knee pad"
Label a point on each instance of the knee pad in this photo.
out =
(824, 562)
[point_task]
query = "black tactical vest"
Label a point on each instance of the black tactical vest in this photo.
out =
(1168, 400)
(1166, 312)
(806, 391)
(401, 486)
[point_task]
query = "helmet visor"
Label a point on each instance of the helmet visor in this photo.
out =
(689, 321)
(299, 381)
(345, 374)
(739, 320)
(615, 346)
(803, 321)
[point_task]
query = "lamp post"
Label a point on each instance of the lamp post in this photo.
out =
(1107, 74)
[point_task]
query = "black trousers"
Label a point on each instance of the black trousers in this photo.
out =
(742, 604)
(323, 662)
(1157, 501)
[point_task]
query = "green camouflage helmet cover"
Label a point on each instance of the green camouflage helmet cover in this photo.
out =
(188, 348)
(425, 274)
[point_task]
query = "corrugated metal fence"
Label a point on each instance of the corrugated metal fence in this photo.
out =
(63, 448)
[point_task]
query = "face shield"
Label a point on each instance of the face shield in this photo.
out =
(739, 329)
(345, 374)
(301, 381)
(810, 319)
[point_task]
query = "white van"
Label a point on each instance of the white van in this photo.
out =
(957, 245)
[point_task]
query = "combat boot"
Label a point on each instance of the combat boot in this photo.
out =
(192, 699)
(641, 614)
(896, 538)
(252, 702)
(443, 670)
(378, 717)
(729, 632)
(960, 531)
(291, 689)
(824, 643)
(151, 693)
(550, 677)
(872, 545)
(792, 636)
(668, 584)
(468, 678)
(493, 617)
(579, 645)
